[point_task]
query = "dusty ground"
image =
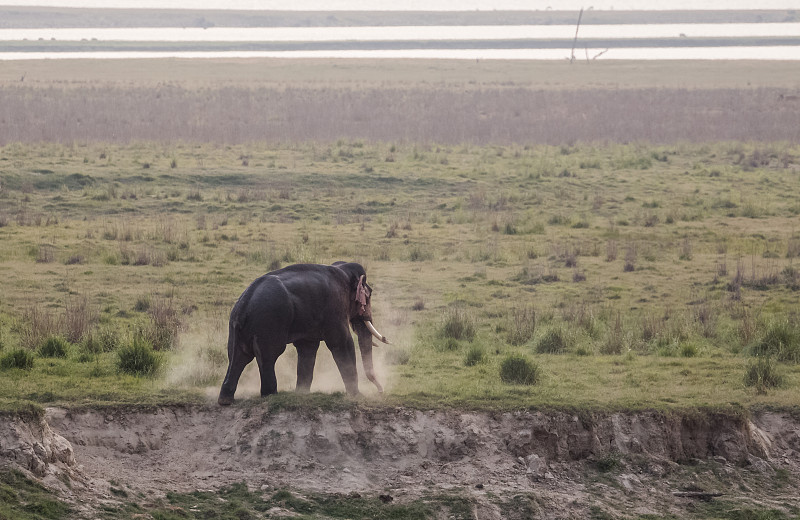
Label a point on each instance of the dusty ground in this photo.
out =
(568, 466)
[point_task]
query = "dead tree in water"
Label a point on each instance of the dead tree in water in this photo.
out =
(575, 41)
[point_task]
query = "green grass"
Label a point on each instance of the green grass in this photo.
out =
(24, 499)
(167, 249)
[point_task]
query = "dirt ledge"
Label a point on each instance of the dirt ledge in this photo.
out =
(627, 463)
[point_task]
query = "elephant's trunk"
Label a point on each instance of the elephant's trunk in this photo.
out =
(365, 345)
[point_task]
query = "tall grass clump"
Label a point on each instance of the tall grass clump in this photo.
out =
(763, 373)
(782, 340)
(78, 318)
(138, 358)
(522, 325)
(18, 358)
(475, 356)
(458, 324)
(101, 339)
(54, 347)
(517, 369)
(554, 341)
(163, 325)
(40, 324)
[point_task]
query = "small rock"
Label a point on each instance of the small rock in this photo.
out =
(225, 447)
(535, 465)
(549, 476)
(478, 486)
(720, 459)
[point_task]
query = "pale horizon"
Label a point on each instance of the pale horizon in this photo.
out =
(414, 5)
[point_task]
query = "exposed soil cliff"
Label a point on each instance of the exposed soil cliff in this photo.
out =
(629, 463)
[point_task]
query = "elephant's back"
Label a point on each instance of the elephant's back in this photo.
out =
(266, 296)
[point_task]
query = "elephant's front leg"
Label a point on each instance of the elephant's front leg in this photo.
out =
(306, 359)
(266, 356)
(344, 353)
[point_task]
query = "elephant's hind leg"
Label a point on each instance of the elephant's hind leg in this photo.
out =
(266, 356)
(238, 358)
(306, 359)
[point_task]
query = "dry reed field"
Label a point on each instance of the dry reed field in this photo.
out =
(278, 105)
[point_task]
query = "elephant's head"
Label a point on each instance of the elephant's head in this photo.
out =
(360, 314)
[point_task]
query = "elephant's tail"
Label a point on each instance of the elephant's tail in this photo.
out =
(233, 333)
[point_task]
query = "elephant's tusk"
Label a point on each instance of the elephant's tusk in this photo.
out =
(375, 332)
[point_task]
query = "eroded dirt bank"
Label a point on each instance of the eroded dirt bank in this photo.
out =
(566, 465)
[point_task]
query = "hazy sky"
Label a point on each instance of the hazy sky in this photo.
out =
(419, 5)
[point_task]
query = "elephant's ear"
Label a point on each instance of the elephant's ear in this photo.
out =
(362, 295)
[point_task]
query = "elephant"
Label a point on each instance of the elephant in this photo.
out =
(302, 304)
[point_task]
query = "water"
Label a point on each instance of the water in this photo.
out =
(41, 43)
(431, 33)
(663, 53)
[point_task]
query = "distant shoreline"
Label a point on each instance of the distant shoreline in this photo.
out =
(591, 43)
(49, 17)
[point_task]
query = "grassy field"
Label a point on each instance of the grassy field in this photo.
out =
(630, 276)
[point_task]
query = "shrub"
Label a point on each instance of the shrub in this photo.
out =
(763, 373)
(608, 462)
(458, 324)
(54, 346)
(17, 358)
(518, 369)
(475, 355)
(138, 358)
(553, 342)
(782, 340)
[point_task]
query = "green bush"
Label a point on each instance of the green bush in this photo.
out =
(475, 355)
(782, 340)
(554, 341)
(458, 324)
(17, 358)
(763, 373)
(138, 358)
(54, 347)
(519, 370)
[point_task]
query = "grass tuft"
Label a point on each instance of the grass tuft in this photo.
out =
(519, 370)
(18, 358)
(553, 341)
(138, 358)
(458, 324)
(54, 347)
(763, 373)
(782, 340)
(476, 354)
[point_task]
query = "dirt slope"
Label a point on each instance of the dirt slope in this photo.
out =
(628, 464)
